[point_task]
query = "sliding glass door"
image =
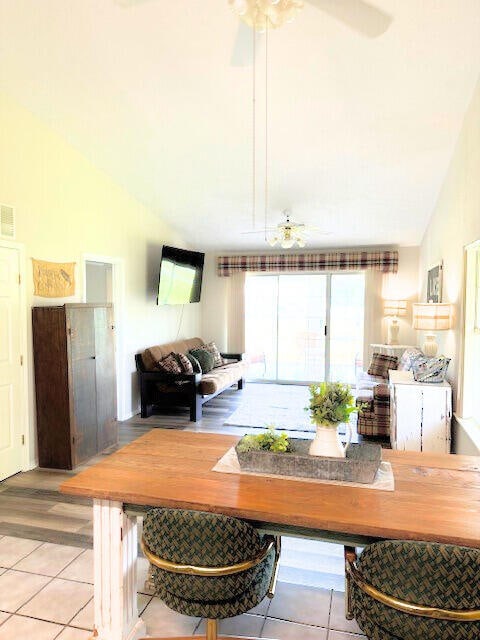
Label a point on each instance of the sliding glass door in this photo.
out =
(303, 328)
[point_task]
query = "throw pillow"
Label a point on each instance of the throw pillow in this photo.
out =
(169, 364)
(184, 363)
(195, 363)
(212, 348)
(204, 357)
(408, 359)
(381, 364)
(431, 369)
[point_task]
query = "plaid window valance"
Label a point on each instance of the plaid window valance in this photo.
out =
(385, 261)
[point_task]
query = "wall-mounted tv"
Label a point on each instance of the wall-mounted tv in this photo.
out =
(181, 273)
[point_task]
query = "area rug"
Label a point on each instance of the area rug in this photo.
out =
(282, 406)
(282, 417)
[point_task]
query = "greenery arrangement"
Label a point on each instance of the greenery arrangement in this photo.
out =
(267, 441)
(331, 403)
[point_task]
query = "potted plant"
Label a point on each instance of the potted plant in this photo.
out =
(331, 403)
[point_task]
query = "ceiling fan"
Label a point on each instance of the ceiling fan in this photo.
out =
(289, 233)
(360, 15)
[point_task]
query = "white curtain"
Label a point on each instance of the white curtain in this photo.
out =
(236, 313)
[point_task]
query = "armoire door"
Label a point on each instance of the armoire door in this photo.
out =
(81, 330)
(105, 377)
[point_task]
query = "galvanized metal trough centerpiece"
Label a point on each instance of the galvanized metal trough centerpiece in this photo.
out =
(361, 463)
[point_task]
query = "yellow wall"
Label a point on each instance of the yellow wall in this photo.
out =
(65, 208)
(455, 223)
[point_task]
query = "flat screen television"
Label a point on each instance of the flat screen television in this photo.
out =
(181, 273)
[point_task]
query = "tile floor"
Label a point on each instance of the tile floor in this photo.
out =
(46, 592)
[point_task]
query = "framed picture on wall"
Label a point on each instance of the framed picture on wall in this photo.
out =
(434, 283)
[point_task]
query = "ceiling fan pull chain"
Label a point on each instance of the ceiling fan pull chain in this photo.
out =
(254, 127)
(266, 132)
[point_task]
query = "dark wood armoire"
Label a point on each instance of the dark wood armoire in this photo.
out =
(75, 382)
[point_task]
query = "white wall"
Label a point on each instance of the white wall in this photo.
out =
(455, 222)
(216, 323)
(65, 208)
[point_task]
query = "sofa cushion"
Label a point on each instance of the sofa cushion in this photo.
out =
(169, 364)
(408, 358)
(184, 363)
(381, 363)
(152, 355)
(195, 363)
(205, 358)
(221, 378)
(212, 348)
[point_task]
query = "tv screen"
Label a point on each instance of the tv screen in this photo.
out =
(181, 274)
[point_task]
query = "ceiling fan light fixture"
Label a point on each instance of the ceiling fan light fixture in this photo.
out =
(263, 14)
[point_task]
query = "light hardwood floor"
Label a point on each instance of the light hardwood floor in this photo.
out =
(32, 507)
(33, 513)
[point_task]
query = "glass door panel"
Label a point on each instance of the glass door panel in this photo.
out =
(301, 327)
(261, 301)
(285, 320)
(347, 301)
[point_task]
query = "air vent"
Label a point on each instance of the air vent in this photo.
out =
(7, 221)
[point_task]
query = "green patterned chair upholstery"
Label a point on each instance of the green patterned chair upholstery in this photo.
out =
(402, 590)
(208, 565)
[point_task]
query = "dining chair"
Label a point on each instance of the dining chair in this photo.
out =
(404, 590)
(208, 565)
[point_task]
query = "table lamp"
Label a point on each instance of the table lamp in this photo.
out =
(393, 309)
(430, 317)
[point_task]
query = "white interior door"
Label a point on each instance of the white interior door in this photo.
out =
(10, 367)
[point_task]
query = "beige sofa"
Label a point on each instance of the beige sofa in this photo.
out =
(191, 390)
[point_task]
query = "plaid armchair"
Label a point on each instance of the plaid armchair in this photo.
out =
(374, 419)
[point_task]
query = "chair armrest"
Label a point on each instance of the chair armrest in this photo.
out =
(161, 376)
(233, 356)
(381, 390)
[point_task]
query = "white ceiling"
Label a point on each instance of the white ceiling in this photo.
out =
(361, 130)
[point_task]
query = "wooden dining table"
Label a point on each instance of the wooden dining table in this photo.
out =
(436, 498)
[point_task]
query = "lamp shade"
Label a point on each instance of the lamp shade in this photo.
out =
(432, 316)
(395, 307)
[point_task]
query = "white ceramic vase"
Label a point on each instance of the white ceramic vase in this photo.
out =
(327, 442)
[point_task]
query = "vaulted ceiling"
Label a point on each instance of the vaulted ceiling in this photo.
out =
(361, 130)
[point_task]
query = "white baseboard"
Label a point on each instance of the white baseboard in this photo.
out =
(128, 415)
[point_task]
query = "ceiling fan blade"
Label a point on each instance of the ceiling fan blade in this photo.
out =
(359, 15)
(242, 54)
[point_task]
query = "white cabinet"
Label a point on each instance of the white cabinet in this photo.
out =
(421, 414)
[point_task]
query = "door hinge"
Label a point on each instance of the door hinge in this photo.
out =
(19, 278)
(21, 361)
(23, 440)
(73, 439)
(326, 330)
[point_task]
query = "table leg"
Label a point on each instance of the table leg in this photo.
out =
(115, 561)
